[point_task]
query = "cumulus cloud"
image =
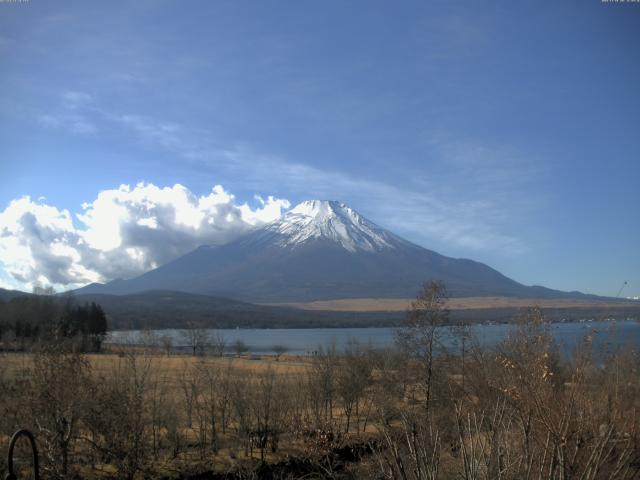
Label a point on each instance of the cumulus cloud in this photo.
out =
(122, 233)
(470, 197)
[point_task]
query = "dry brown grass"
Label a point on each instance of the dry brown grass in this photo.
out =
(464, 303)
(520, 388)
(171, 371)
(173, 364)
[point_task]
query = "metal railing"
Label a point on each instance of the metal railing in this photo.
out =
(34, 452)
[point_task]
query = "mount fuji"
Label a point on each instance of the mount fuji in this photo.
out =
(320, 250)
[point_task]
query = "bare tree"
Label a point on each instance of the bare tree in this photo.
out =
(58, 398)
(219, 343)
(118, 421)
(167, 344)
(39, 290)
(240, 347)
(207, 403)
(420, 336)
(160, 407)
(321, 387)
(188, 383)
(411, 451)
(224, 395)
(280, 350)
(197, 338)
(268, 406)
(354, 376)
(240, 400)
(149, 340)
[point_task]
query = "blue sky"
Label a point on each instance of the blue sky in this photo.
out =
(505, 133)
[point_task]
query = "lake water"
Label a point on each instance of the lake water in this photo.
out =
(306, 341)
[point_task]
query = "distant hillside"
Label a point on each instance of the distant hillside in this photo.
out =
(463, 303)
(172, 309)
(6, 295)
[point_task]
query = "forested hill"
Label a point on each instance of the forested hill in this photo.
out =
(6, 295)
(170, 309)
(27, 319)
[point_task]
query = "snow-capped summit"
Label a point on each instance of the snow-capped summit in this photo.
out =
(319, 250)
(330, 220)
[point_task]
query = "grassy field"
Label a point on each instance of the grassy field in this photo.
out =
(172, 365)
(137, 413)
(176, 372)
(466, 303)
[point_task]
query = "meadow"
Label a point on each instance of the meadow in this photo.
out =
(515, 411)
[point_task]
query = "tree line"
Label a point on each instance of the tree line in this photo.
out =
(31, 319)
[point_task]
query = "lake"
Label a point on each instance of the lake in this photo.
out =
(306, 341)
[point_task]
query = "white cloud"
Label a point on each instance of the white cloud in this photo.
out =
(68, 121)
(421, 210)
(469, 196)
(122, 233)
(73, 100)
(6, 285)
(271, 209)
(73, 114)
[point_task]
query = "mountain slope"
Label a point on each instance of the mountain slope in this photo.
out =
(320, 250)
(7, 295)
